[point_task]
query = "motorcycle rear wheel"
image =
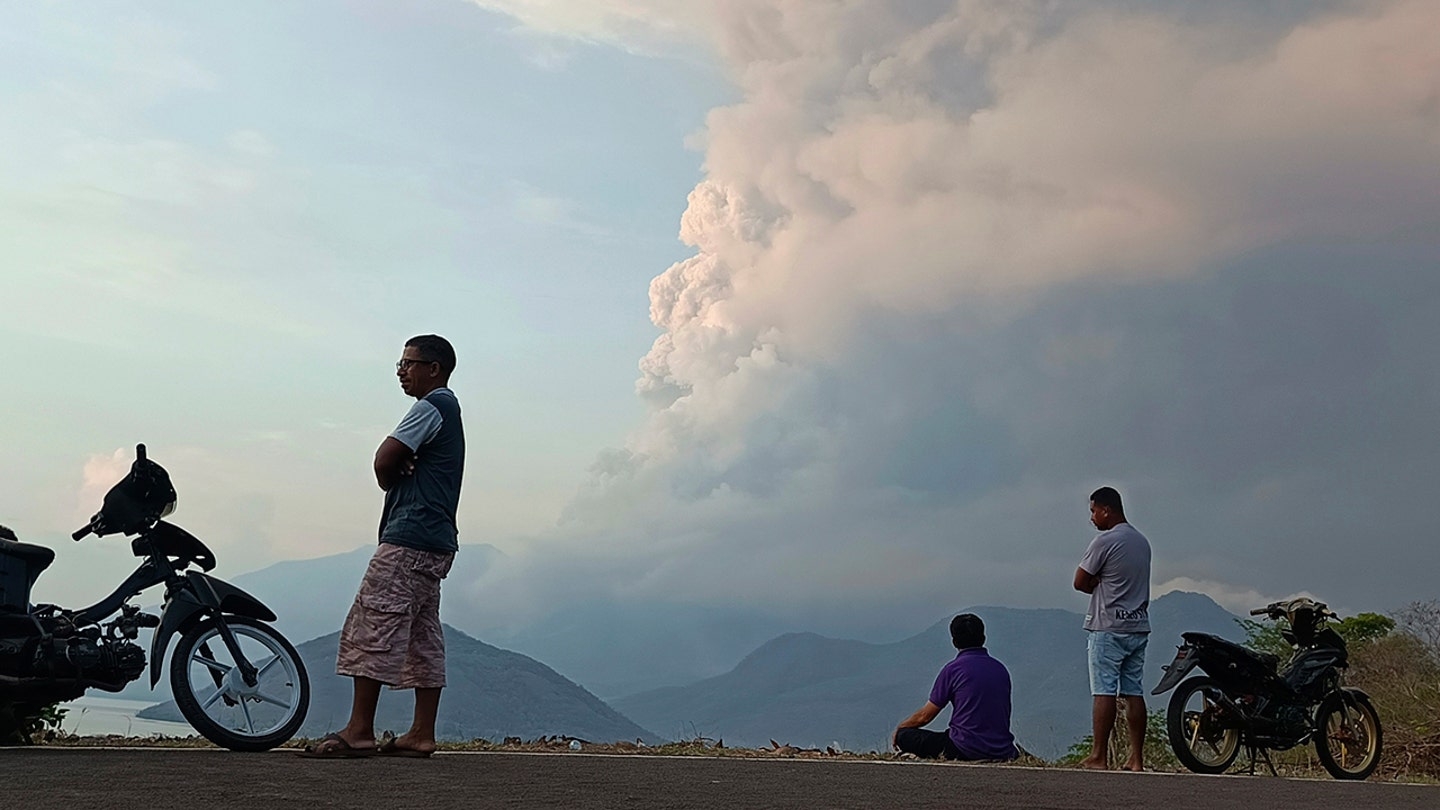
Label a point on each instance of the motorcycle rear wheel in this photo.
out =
(1196, 725)
(1348, 737)
(231, 713)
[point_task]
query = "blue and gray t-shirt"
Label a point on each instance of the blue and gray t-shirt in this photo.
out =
(420, 508)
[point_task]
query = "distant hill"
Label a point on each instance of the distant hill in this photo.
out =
(611, 647)
(675, 665)
(311, 597)
(492, 693)
(811, 690)
(618, 649)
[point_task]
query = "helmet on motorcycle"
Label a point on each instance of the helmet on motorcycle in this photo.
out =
(142, 497)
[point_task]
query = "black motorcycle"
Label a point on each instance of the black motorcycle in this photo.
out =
(1246, 699)
(234, 678)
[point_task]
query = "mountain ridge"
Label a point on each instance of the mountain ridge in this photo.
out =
(812, 690)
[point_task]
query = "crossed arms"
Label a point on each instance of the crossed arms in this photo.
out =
(393, 460)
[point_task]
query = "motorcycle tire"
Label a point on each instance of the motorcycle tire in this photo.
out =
(217, 701)
(1198, 736)
(1348, 736)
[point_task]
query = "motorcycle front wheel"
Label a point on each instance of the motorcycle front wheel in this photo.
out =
(1348, 736)
(214, 697)
(1201, 734)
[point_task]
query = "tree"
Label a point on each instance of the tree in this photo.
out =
(1364, 628)
(1421, 620)
(1357, 630)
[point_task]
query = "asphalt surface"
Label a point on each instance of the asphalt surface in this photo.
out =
(132, 779)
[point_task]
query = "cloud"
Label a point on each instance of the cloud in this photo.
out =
(99, 474)
(957, 263)
(1237, 600)
(251, 142)
(639, 26)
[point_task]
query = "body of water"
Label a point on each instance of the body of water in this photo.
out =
(94, 716)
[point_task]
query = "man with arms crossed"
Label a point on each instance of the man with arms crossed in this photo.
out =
(392, 635)
(979, 688)
(1115, 571)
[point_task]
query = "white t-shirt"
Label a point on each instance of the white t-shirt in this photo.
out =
(1120, 603)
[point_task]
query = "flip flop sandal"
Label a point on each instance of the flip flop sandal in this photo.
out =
(389, 748)
(333, 746)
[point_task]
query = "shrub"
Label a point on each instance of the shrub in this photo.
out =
(1401, 673)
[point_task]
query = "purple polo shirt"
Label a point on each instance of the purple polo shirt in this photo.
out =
(979, 687)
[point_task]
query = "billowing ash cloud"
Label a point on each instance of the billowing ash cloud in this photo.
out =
(958, 263)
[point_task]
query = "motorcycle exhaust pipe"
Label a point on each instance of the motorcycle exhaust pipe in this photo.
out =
(1229, 703)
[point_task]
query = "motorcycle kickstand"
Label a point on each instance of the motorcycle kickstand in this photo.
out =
(1262, 754)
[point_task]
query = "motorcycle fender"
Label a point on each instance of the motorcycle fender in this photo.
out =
(1175, 671)
(1350, 693)
(204, 595)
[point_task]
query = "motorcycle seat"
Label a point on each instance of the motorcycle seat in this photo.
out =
(1268, 660)
(20, 564)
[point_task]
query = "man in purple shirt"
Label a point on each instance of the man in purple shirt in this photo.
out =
(978, 687)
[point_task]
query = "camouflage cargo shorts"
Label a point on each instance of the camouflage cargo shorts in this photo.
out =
(392, 633)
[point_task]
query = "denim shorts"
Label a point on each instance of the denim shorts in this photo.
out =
(1117, 662)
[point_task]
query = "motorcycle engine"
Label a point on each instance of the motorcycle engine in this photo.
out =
(104, 662)
(1294, 721)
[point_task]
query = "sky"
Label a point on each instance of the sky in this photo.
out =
(833, 310)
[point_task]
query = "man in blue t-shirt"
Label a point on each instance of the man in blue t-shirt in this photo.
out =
(978, 687)
(392, 634)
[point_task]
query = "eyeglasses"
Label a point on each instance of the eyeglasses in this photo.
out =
(405, 363)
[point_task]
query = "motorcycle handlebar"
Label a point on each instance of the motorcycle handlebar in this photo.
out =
(1260, 611)
(80, 533)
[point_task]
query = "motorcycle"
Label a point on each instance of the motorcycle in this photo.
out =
(237, 680)
(1245, 698)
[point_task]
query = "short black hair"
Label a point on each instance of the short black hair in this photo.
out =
(1109, 498)
(434, 349)
(966, 630)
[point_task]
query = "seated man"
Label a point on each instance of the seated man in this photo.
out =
(979, 688)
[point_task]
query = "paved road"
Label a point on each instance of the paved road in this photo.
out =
(136, 779)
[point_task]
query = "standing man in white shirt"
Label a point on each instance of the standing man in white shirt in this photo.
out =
(1115, 571)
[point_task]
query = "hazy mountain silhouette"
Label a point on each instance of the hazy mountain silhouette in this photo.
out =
(619, 649)
(611, 648)
(676, 665)
(491, 693)
(807, 689)
(311, 597)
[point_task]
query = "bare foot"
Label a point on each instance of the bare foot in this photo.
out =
(1137, 767)
(1095, 764)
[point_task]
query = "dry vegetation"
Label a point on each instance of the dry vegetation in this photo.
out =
(1401, 672)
